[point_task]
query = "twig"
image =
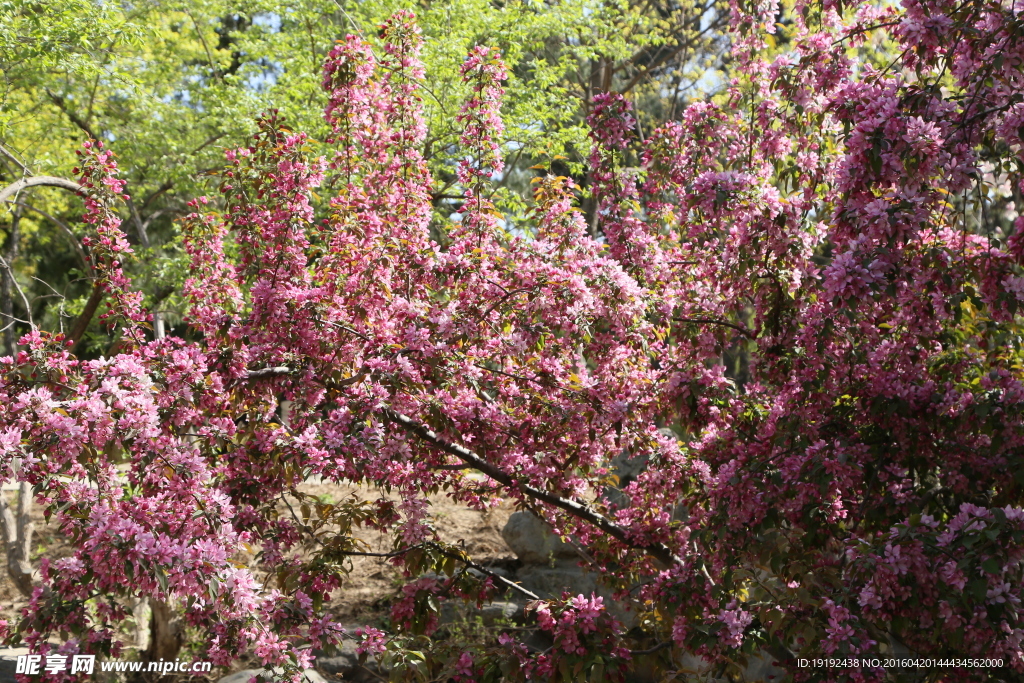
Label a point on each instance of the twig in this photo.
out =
(652, 650)
(15, 159)
(24, 300)
(346, 328)
(202, 39)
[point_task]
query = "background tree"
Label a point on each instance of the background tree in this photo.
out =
(170, 85)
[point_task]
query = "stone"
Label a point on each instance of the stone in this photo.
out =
(454, 611)
(9, 662)
(344, 664)
(531, 540)
(549, 583)
(7, 667)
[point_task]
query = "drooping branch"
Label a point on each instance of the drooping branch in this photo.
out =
(658, 551)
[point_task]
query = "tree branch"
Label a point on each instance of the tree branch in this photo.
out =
(37, 181)
(9, 273)
(268, 372)
(156, 193)
(86, 316)
(658, 551)
(483, 570)
(140, 227)
(652, 650)
(59, 101)
(712, 321)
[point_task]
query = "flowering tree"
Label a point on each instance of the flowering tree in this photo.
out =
(852, 490)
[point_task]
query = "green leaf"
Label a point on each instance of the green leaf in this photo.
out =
(161, 578)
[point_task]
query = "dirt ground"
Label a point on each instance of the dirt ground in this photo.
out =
(374, 579)
(362, 598)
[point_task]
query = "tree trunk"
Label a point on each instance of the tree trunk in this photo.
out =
(18, 538)
(10, 336)
(142, 614)
(167, 632)
(162, 634)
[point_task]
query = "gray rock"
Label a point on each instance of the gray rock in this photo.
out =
(567, 577)
(530, 539)
(308, 676)
(489, 614)
(345, 665)
(550, 582)
(627, 467)
(7, 667)
(342, 664)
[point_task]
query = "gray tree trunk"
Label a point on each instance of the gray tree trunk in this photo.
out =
(17, 532)
(10, 253)
(167, 632)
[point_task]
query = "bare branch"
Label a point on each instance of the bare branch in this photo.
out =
(37, 181)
